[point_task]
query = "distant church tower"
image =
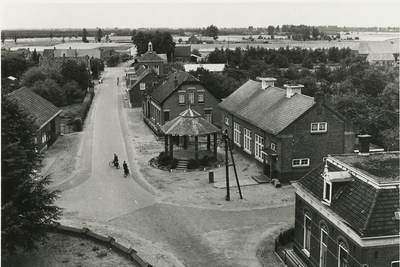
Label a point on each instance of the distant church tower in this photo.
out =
(150, 47)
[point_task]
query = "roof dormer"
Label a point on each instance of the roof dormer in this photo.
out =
(333, 183)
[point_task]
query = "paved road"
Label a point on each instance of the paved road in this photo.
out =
(100, 193)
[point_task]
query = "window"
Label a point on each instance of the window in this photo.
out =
(273, 146)
(44, 139)
(200, 97)
(395, 264)
(227, 121)
(191, 96)
(247, 141)
(319, 127)
(323, 246)
(208, 115)
(181, 98)
(236, 135)
(142, 86)
(166, 116)
(258, 147)
(157, 69)
(307, 233)
(327, 191)
(301, 162)
(343, 251)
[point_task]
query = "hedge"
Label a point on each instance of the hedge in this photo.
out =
(83, 111)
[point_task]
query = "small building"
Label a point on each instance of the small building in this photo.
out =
(347, 211)
(46, 115)
(209, 67)
(150, 60)
(142, 79)
(170, 97)
(285, 132)
(182, 53)
(381, 59)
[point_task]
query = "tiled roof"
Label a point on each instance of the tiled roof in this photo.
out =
(182, 51)
(381, 56)
(367, 209)
(379, 47)
(150, 56)
(38, 107)
(268, 109)
(189, 123)
(161, 91)
(95, 53)
(48, 52)
(139, 77)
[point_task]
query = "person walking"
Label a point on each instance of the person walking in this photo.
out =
(126, 170)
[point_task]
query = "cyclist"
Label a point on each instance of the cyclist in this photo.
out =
(126, 170)
(116, 164)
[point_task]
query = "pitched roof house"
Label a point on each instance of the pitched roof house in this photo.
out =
(46, 115)
(141, 80)
(347, 211)
(285, 132)
(170, 97)
(151, 60)
(182, 53)
(381, 58)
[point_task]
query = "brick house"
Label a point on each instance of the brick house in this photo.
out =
(285, 132)
(150, 60)
(166, 100)
(47, 116)
(182, 53)
(347, 212)
(139, 82)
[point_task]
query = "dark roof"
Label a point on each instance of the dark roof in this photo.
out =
(161, 91)
(189, 123)
(362, 205)
(182, 51)
(139, 77)
(268, 109)
(150, 56)
(38, 107)
(48, 53)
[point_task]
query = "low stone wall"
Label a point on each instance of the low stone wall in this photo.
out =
(108, 241)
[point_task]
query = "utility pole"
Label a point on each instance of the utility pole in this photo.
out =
(227, 145)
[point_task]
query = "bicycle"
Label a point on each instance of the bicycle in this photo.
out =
(113, 165)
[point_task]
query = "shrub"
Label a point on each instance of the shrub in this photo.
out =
(286, 236)
(205, 161)
(174, 163)
(164, 159)
(78, 124)
(192, 164)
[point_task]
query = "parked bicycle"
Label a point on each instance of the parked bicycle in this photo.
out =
(114, 164)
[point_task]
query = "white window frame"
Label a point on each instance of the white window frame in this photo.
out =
(181, 98)
(301, 162)
(142, 86)
(226, 121)
(258, 147)
(247, 141)
(200, 96)
(157, 69)
(208, 115)
(237, 130)
(191, 96)
(327, 200)
(322, 244)
(307, 234)
(321, 127)
(340, 263)
(391, 264)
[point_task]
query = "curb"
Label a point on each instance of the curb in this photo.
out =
(108, 241)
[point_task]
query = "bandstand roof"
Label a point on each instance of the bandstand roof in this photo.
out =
(189, 123)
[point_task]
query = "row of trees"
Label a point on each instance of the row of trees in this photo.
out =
(367, 95)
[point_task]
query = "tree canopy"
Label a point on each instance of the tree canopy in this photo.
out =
(163, 43)
(211, 31)
(27, 206)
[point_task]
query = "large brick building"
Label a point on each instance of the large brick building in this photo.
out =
(170, 97)
(285, 132)
(347, 212)
(150, 60)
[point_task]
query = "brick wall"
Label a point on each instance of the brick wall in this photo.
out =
(135, 92)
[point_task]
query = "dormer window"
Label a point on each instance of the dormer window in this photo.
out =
(327, 191)
(333, 181)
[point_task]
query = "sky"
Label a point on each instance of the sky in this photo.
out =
(30, 14)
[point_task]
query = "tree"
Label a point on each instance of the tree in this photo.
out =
(315, 33)
(71, 70)
(133, 34)
(277, 29)
(99, 35)
(14, 65)
(27, 206)
(3, 36)
(40, 73)
(15, 38)
(270, 30)
(51, 91)
(84, 36)
(96, 65)
(180, 40)
(35, 56)
(211, 31)
(51, 36)
(72, 92)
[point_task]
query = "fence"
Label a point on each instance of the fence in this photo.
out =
(66, 129)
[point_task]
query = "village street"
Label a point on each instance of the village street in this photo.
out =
(186, 227)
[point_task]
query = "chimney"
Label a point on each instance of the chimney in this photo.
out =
(175, 82)
(54, 48)
(265, 82)
(363, 141)
(63, 54)
(199, 77)
(319, 99)
(292, 89)
(69, 47)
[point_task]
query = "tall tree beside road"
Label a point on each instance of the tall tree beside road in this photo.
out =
(84, 36)
(211, 31)
(71, 70)
(99, 35)
(27, 206)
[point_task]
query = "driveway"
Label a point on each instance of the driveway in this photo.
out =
(171, 219)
